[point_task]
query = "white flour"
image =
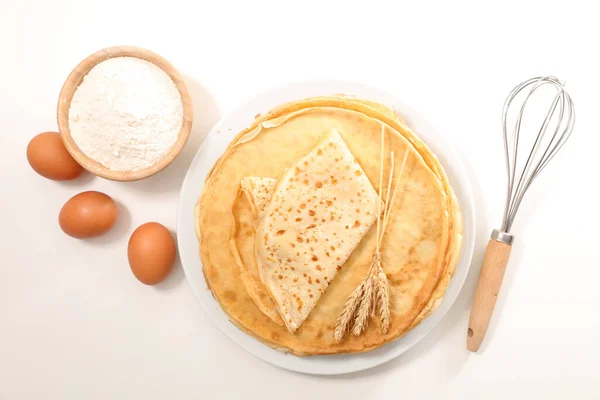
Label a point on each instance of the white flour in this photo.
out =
(126, 114)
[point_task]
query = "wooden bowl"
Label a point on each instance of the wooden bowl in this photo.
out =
(74, 80)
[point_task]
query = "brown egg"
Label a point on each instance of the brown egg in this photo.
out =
(151, 253)
(49, 157)
(88, 214)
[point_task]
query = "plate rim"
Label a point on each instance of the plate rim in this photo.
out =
(220, 135)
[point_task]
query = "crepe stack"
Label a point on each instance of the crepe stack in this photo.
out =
(293, 200)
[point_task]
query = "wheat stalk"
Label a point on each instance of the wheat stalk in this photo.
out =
(389, 204)
(364, 307)
(373, 293)
(383, 300)
(347, 315)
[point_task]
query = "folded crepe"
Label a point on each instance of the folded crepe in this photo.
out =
(249, 208)
(321, 208)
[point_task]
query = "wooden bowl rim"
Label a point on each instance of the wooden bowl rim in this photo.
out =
(74, 80)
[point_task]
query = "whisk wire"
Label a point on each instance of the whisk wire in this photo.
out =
(533, 165)
(526, 178)
(565, 133)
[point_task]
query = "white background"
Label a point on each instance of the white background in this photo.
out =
(75, 324)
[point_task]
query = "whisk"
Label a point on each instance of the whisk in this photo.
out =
(554, 131)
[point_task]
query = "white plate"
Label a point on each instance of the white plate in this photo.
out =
(215, 145)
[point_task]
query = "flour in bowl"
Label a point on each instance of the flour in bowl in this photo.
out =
(126, 114)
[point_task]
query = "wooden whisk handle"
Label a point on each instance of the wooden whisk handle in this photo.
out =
(490, 281)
